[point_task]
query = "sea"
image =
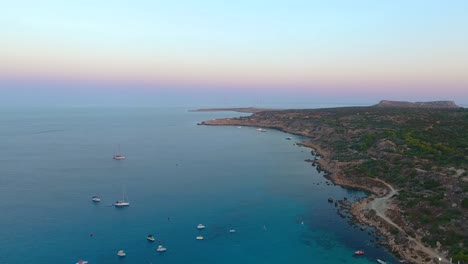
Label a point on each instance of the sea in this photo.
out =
(176, 175)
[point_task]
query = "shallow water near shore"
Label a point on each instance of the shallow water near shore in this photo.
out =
(176, 175)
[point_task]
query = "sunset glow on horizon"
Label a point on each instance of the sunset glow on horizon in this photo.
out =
(348, 46)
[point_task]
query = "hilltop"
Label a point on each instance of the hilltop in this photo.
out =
(421, 152)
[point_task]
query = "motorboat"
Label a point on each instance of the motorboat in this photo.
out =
(200, 226)
(150, 238)
(96, 199)
(232, 231)
(160, 248)
(381, 261)
(121, 253)
(288, 138)
(200, 238)
(82, 262)
(358, 252)
(260, 130)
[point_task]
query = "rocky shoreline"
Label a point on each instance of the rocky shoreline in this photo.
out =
(397, 240)
(360, 214)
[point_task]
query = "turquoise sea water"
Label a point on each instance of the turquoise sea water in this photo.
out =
(176, 175)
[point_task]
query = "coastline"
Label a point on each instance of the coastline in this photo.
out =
(399, 242)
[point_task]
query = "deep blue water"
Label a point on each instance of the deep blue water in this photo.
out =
(53, 160)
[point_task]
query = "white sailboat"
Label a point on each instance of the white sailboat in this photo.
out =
(122, 203)
(118, 156)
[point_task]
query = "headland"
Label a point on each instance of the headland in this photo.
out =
(412, 159)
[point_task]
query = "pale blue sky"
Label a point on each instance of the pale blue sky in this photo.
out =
(400, 47)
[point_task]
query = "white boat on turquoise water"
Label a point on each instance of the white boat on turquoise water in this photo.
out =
(150, 238)
(82, 262)
(261, 130)
(200, 238)
(121, 253)
(96, 199)
(381, 261)
(119, 156)
(161, 249)
(123, 202)
(200, 226)
(232, 231)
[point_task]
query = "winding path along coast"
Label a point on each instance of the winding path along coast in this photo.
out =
(380, 204)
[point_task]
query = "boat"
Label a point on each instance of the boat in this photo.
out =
(160, 248)
(121, 253)
(123, 202)
(150, 238)
(288, 138)
(200, 238)
(358, 252)
(232, 231)
(96, 199)
(381, 261)
(119, 156)
(82, 262)
(200, 226)
(260, 130)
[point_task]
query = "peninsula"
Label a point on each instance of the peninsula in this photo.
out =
(238, 109)
(413, 158)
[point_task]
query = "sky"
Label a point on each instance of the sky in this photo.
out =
(149, 52)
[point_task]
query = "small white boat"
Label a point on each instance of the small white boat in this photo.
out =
(232, 231)
(82, 262)
(150, 238)
(121, 204)
(119, 156)
(200, 238)
(200, 226)
(96, 199)
(161, 249)
(381, 261)
(121, 253)
(260, 130)
(239, 127)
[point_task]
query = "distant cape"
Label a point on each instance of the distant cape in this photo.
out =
(432, 104)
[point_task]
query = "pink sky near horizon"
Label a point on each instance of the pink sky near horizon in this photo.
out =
(398, 48)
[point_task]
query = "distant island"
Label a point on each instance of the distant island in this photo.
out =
(412, 157)
(433, 104)
(238, 109)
